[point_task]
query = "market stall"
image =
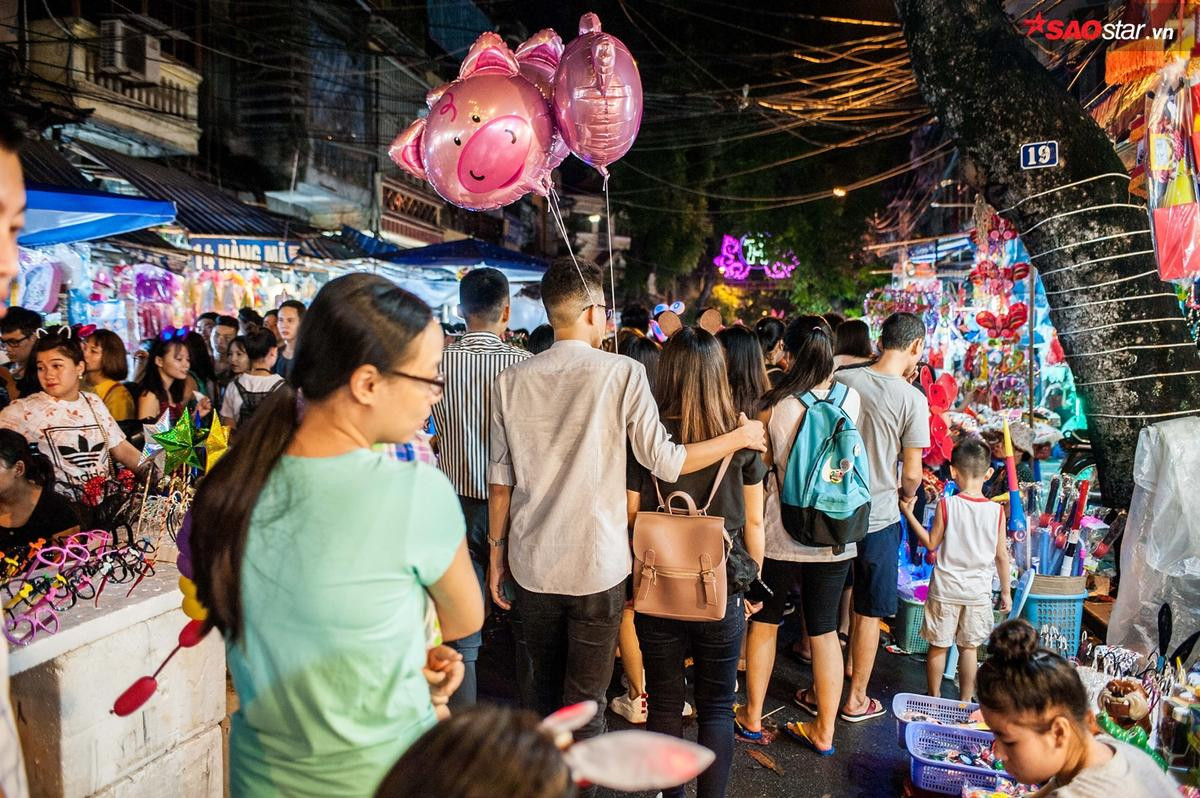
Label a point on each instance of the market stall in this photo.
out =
(433, 272)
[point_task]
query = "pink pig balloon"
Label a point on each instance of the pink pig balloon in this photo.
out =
(487, 139)
(597, 96)
(538, 58)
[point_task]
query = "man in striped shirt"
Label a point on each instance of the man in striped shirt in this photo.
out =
(462, 418)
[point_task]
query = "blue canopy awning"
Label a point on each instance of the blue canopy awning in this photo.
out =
(469, 252)
(65, 215)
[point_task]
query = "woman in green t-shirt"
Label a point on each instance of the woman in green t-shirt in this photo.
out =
(316, 556)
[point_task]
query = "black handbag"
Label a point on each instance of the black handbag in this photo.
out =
(740, 568)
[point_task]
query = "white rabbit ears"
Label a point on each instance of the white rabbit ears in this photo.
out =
(628, 761)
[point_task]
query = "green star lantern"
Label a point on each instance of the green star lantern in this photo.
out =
(179, 444)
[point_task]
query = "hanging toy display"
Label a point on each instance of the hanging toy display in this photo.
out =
(1174, 212)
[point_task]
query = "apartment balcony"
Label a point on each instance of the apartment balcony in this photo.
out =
(142, 102)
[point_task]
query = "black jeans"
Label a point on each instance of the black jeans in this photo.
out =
(475, 511)
(714, 647)
(570, 643)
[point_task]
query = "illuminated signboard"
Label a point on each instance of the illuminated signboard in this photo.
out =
(740, 256)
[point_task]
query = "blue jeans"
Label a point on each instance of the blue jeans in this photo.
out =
(475, 512)
(714, 647)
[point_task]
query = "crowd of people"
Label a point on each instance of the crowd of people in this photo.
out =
(534, 471)
(338, 559)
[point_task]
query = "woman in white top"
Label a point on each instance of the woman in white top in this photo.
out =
(822, 573)
(74, 429)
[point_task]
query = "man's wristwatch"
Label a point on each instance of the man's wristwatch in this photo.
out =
(497, 543)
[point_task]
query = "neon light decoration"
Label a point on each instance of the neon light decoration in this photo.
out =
(740, 256)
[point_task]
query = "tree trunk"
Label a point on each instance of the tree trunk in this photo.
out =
(1120, 326)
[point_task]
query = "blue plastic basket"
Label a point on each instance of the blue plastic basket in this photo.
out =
(944, 710)
(947, 778)
(1065, 613)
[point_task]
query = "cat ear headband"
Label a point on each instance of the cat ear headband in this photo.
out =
(62, 331)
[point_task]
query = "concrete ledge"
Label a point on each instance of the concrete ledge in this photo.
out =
(65, 686)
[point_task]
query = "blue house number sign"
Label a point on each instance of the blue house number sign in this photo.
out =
(1039, 154)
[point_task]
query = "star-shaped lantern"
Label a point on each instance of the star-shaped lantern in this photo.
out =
(179, 444)
(216, 444)
(151, 449)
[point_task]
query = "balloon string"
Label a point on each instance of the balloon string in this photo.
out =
(562, 230)
(612, 272)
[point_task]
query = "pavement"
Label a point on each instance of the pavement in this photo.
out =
(868, 763)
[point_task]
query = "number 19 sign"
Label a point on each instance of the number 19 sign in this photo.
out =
(1039, 154)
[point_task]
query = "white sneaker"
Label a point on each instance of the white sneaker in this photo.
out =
(632, 709)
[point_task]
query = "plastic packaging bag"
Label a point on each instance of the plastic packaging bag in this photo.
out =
(1160, 556)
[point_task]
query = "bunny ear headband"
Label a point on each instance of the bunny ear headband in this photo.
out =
(626, 761)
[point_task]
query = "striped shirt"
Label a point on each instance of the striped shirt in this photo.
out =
(470, 366)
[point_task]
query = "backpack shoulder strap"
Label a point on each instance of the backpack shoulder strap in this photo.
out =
(241, 391)
(808, 399)
(720, 478)
(838, 394)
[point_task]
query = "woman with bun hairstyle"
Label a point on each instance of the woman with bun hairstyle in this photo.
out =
(1036, 704)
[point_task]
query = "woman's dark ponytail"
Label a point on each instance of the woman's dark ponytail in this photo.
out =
(356, 320)
(15, 449)
(1019, 677)
(809, 341)
(225, 500)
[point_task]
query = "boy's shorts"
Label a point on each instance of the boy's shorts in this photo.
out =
(949, 624)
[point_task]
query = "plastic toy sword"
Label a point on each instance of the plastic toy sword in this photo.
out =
(1017, 526)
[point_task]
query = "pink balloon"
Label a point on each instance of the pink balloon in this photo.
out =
(538, 58)
(488, 135)
(597, 96)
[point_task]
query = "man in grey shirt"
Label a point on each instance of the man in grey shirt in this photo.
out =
(556, 499)
(894, 423)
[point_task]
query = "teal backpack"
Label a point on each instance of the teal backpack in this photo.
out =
(826, 496)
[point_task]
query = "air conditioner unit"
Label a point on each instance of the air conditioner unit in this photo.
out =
(126, 51)
(143, 56)
(114, 35)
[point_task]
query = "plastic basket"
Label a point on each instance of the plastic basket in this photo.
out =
(944, 710)
(1065, 613)
(947, 778)
(909, 620)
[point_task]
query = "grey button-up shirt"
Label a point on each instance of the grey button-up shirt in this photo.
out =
(560, 422)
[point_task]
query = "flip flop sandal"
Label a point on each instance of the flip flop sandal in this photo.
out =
(800, 734)
(874, 710)
(740, 732)
(800, 699)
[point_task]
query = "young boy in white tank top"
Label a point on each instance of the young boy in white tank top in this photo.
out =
(969, 529)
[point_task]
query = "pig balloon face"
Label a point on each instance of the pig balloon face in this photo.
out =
(488, 136)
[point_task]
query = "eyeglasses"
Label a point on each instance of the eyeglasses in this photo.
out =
(437, 384)
(9, 343)
(608, 312)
